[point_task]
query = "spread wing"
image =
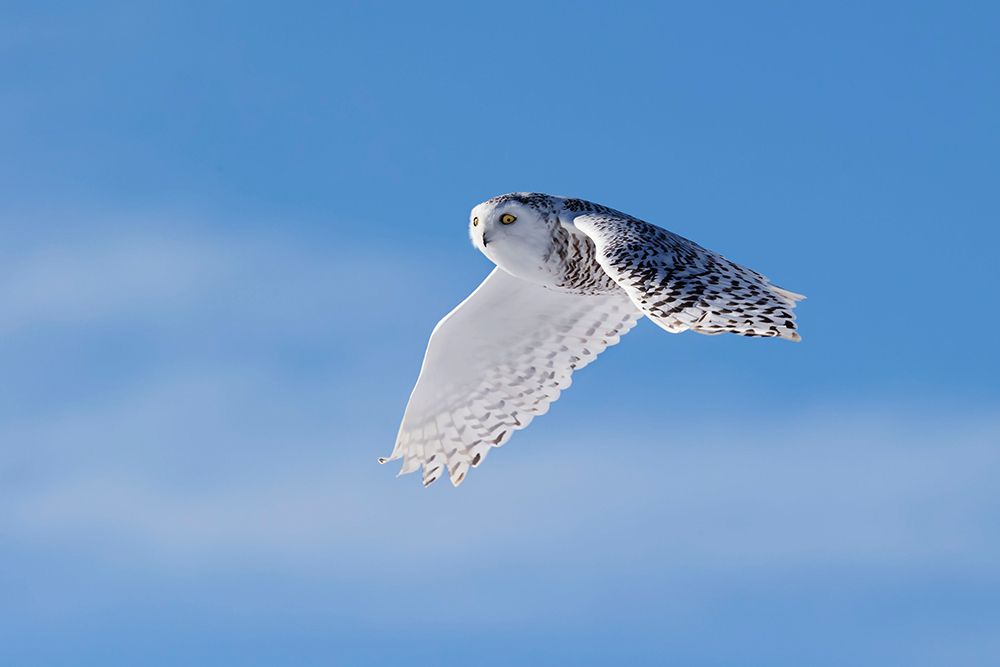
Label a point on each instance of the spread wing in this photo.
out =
(497, 361)
(680, 285)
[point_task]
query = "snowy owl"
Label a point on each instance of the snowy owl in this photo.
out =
(571, 278)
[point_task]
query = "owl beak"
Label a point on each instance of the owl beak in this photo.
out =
(486, 239)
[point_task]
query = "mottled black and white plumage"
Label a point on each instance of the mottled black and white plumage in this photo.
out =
(572, 277)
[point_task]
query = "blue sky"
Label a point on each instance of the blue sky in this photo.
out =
(228, 231)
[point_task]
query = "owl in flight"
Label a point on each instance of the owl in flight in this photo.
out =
(571, 278)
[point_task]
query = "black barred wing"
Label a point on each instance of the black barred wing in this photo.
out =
(680, 285)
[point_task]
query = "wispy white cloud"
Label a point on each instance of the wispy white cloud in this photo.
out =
(182, 486)
(159, 275)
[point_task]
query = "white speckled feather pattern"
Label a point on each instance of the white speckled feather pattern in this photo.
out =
(680, 285)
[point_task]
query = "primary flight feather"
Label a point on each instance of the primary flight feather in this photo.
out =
(572, 277)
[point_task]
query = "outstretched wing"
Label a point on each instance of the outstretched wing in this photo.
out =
(497, 361)
(680, 285)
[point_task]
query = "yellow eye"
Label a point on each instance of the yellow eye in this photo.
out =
(475, 221)
(507, 218)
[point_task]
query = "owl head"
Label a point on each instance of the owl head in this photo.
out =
(515, 231)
